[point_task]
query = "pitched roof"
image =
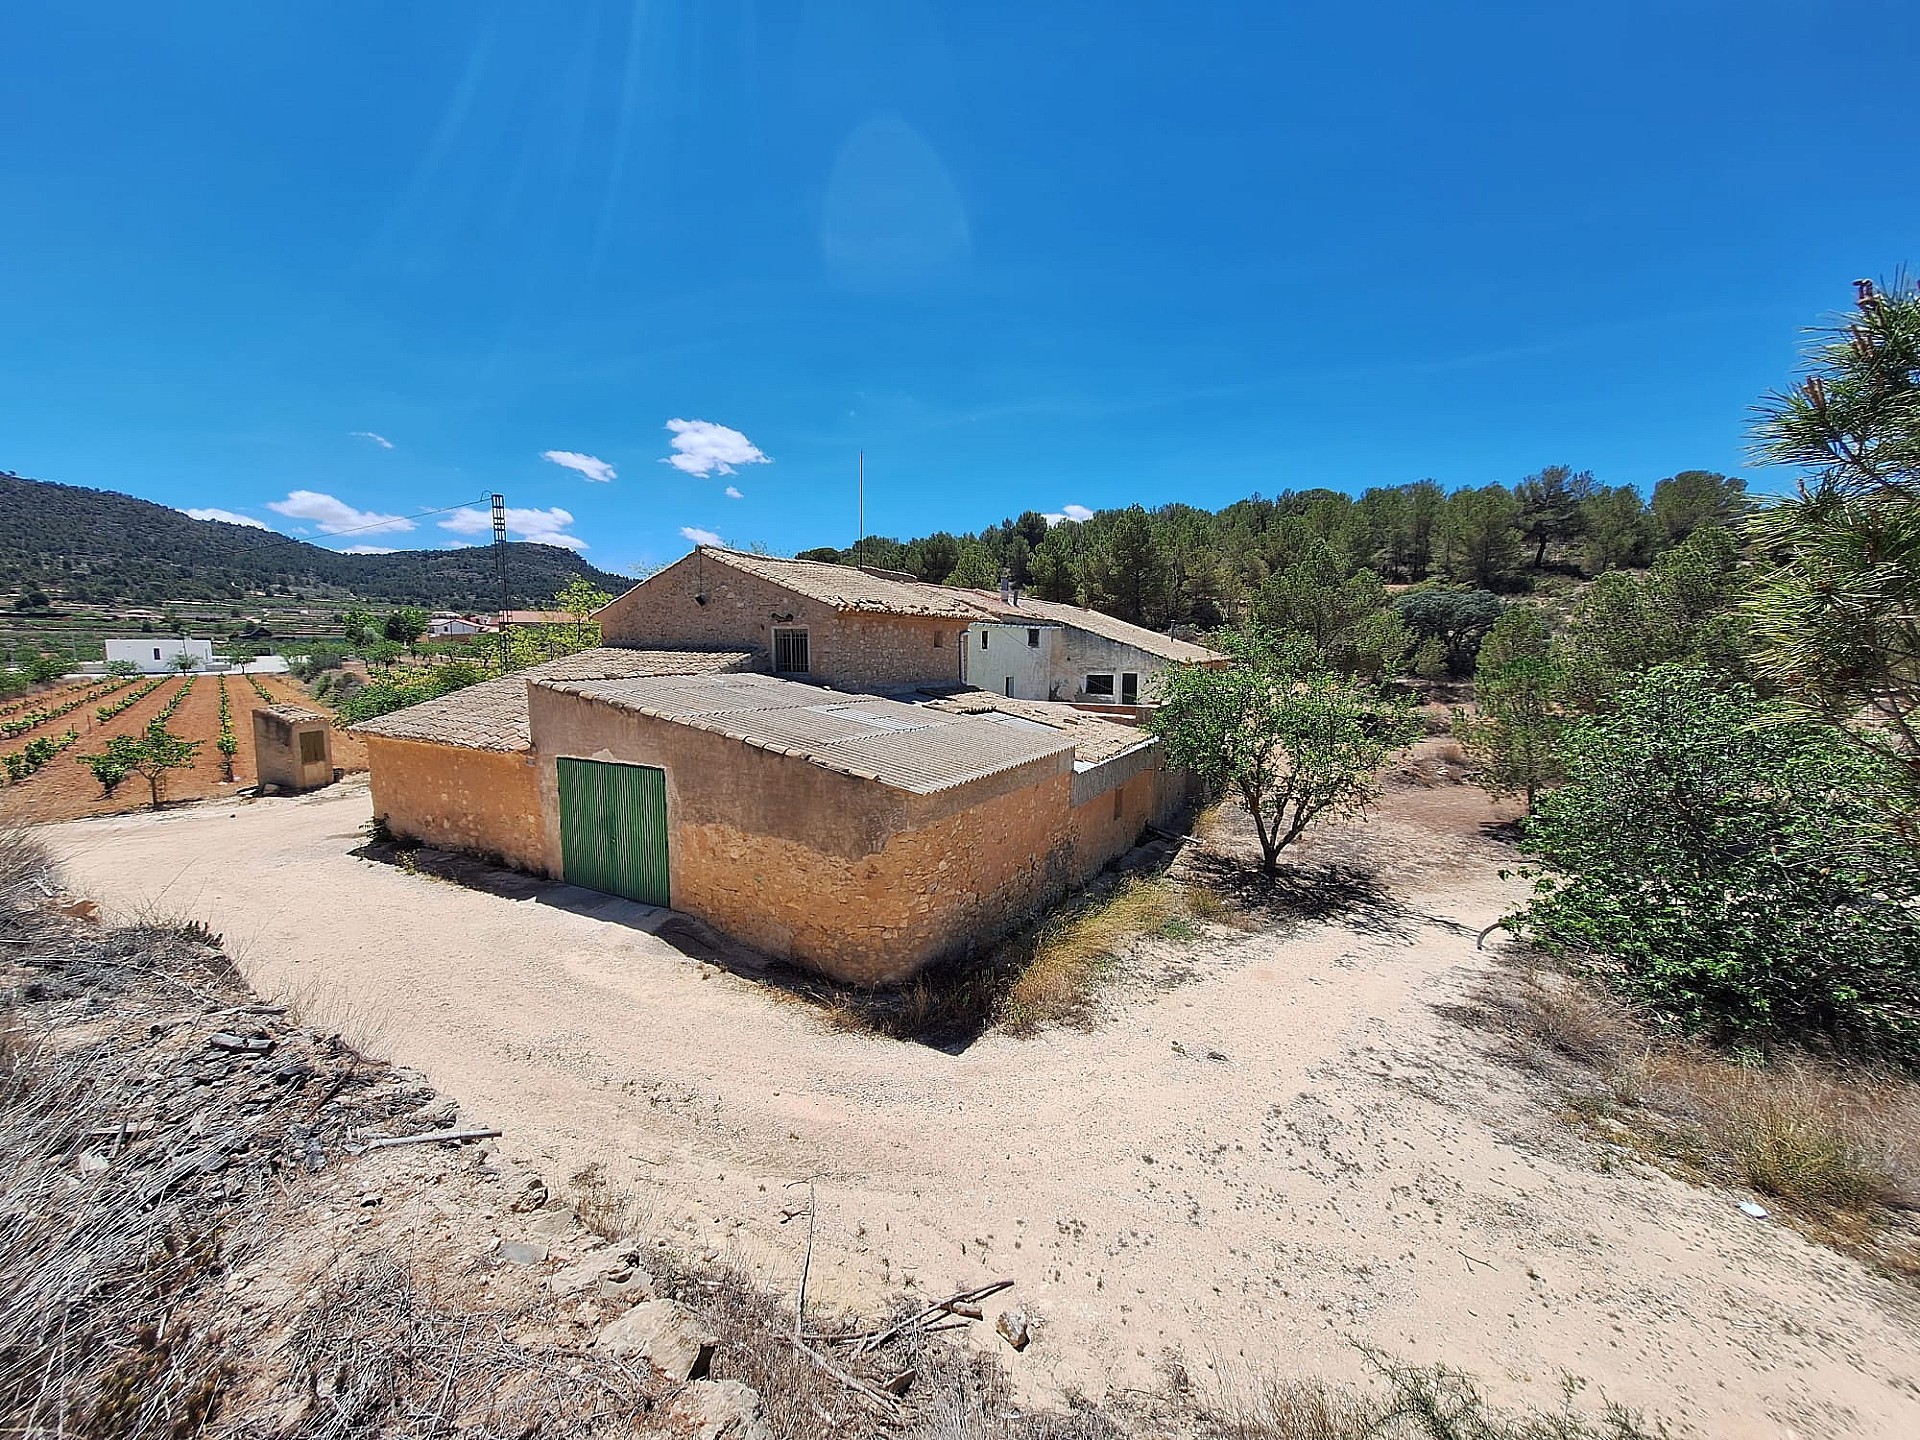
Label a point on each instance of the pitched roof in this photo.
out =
(1095, 739)
(493, 714)
(849, 587)
(905, 747)
(846, 588)
(1031, 610)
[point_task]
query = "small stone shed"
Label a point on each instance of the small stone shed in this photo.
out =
(292, 748)
(861, 836)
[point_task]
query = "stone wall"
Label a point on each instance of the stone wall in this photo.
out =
(858, 880)
(849, 650)
(453, 799)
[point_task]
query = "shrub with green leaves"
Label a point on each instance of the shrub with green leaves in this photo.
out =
(397, 689)
(1728, 864)
(1277, 731)
(113, 765)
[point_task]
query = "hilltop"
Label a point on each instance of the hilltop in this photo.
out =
(100, 547)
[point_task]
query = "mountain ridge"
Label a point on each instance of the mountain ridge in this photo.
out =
(108, 547)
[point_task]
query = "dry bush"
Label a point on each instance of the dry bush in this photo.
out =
(1068, 952)
(361, 1025)
(1047, 974)
(1416, 1402)
(609, 1212)
(376, 1353)
(950, 1392)
(1835, 1145)
(1815, 1137)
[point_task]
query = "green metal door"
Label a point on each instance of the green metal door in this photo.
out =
(613, 828)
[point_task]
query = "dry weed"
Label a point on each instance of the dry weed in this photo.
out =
(1834, 1146)
(609, 1212)
(1073, 948)
(1413, 1402)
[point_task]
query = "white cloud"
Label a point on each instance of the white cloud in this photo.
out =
(733, 494)
(700, 537)
(1074, 513)
(366, 550)
(541, 527)
(705, 448)
(210, 512)
(334, 517)
(380, 440)
(590, 466)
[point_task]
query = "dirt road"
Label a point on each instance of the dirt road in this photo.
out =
(1279, 1147)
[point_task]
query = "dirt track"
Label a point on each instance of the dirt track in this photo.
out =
(1275, 1145)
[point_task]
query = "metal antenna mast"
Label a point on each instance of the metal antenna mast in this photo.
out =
(500, 566)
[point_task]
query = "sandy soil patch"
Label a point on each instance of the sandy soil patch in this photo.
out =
(1278, 1147)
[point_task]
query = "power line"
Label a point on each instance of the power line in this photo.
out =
(386, 522)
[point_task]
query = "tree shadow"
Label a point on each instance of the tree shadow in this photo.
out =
(1337, 891)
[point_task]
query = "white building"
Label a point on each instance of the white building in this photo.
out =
(157, 654)
(441, 625)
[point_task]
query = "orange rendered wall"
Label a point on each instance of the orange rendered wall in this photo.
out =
(454, 799)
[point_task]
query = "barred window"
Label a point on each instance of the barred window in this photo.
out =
(790, 652)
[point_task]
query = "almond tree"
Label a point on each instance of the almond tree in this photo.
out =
(1280, 733)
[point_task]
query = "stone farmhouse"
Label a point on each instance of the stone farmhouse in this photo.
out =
(797, 759)
(878, 629)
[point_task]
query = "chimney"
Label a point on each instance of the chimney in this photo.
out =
(1006, 587)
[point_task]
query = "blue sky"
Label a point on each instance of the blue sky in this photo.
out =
(1026, 255)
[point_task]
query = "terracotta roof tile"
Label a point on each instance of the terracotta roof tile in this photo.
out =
(493, 714)
(847, 588)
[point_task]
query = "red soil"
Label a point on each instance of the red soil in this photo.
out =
(65, 790)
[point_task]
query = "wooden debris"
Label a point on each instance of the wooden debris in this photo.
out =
(387, 1142)
(952, 1305)
(241, 1044)
(872, 1394)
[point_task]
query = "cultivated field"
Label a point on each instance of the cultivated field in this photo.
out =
(1274, 1142)
(63, 789)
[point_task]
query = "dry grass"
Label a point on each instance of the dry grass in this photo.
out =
(1412, 1402)
(1070, 952)
(1834, 1147)
(609, 1212)
(1050, 973)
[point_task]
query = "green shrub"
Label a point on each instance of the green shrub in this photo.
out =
(1727, 864)
(397, 689)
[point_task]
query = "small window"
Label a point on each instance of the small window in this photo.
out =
(1129, 689)
(313, 747)
(1119, 792)
(156, 653)
(1033, 639)
(939, 640)
(790, 652)
(983, 639)
(1099, 685)
(1009, 687)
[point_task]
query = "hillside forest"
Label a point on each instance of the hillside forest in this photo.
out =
(1338, 567)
